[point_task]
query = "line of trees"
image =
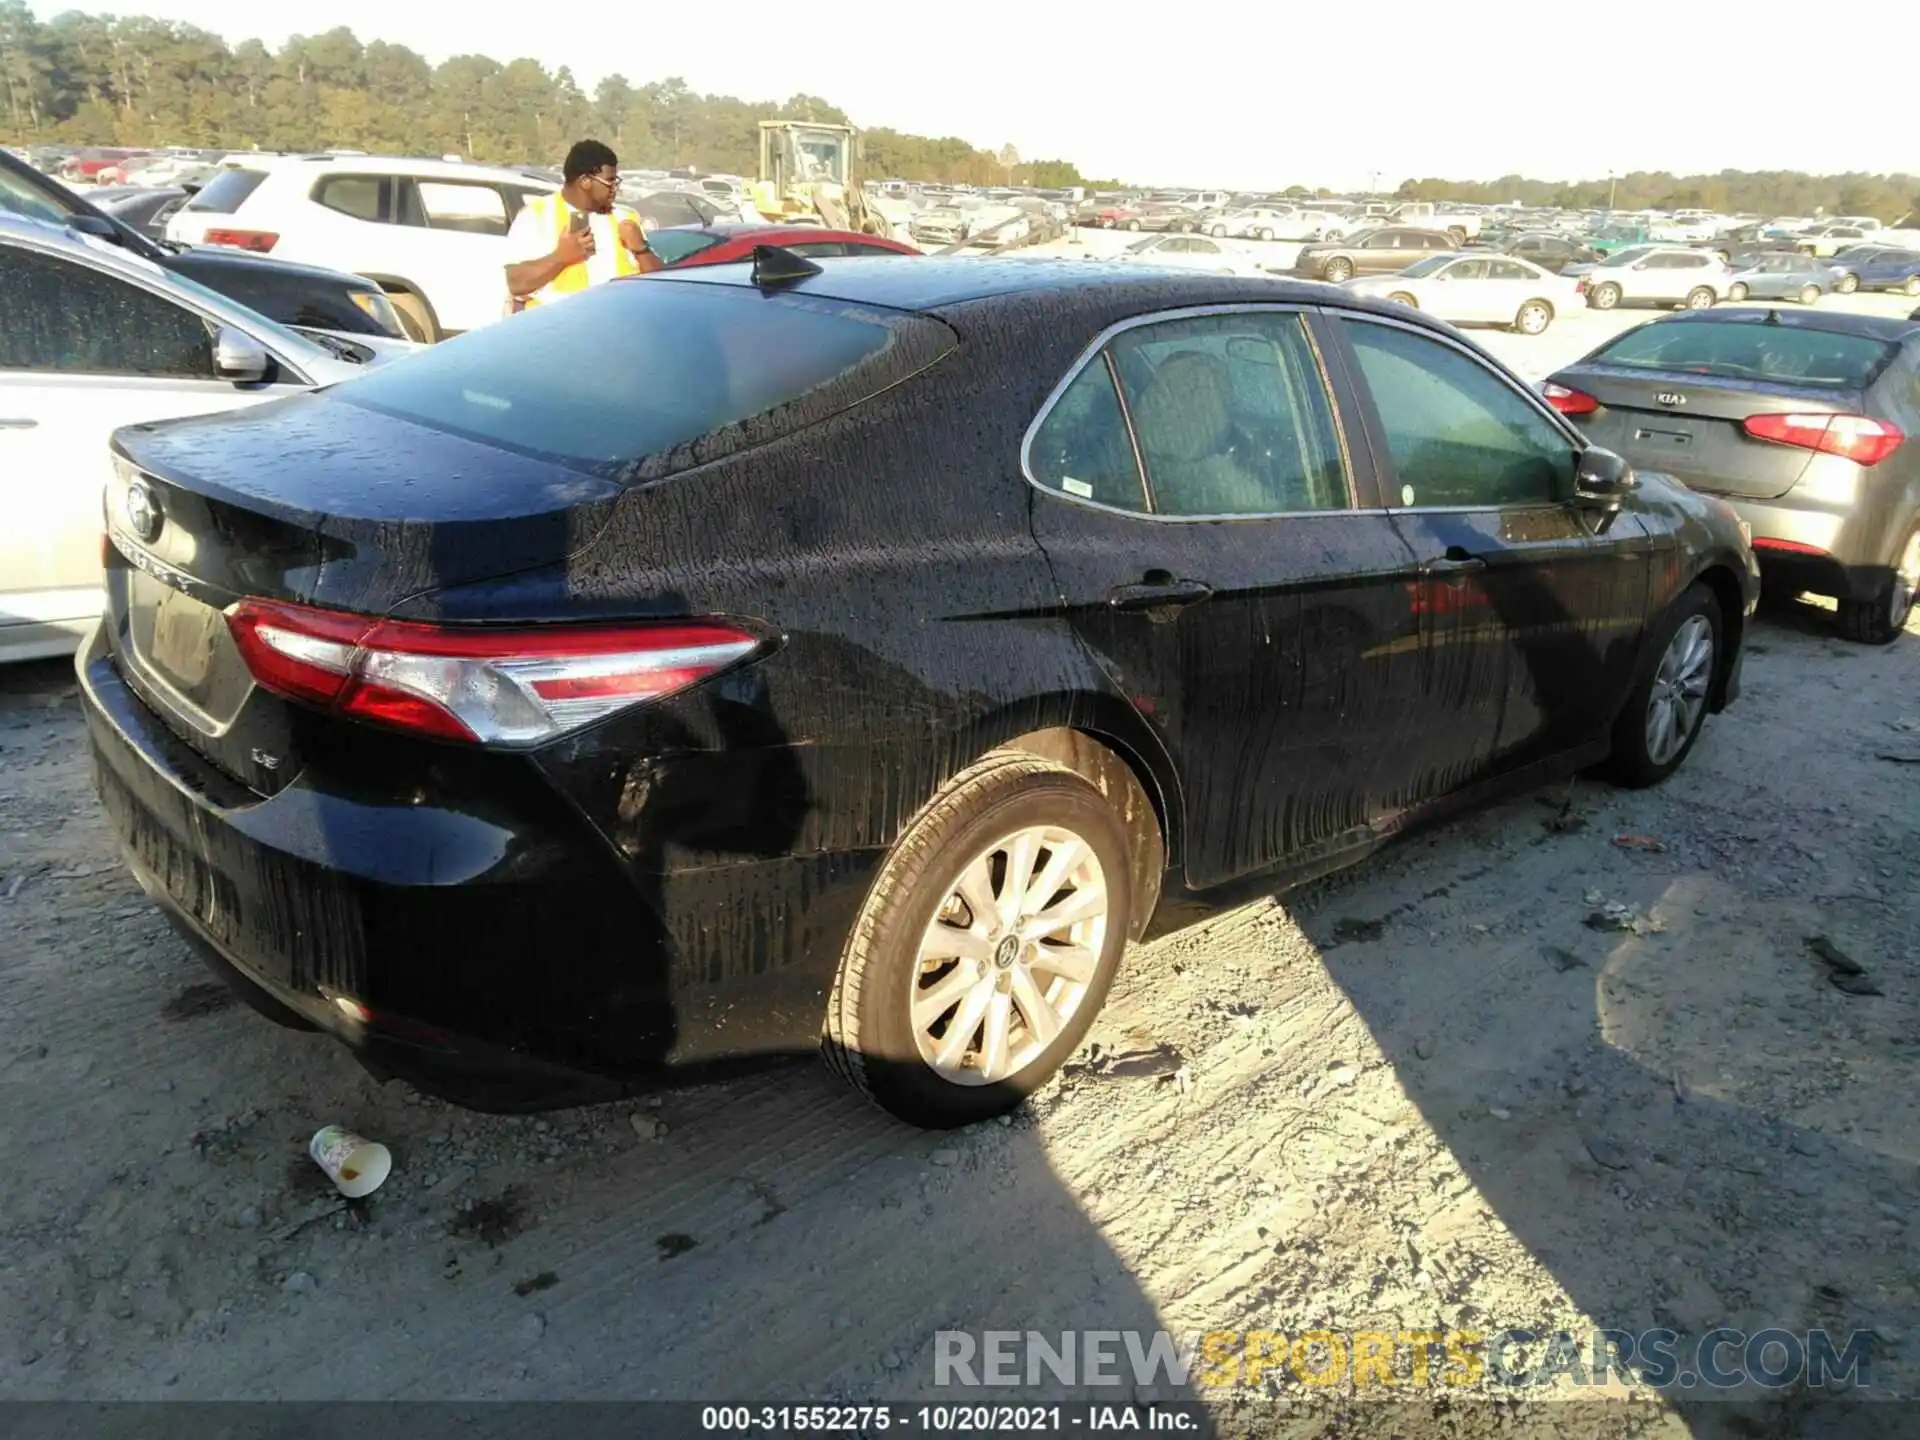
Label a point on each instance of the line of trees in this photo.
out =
(1887, 198)
(132, 80)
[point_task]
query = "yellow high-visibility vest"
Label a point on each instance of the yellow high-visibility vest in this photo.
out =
(554, 213)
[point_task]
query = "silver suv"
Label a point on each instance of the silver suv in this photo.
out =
(1655, 275)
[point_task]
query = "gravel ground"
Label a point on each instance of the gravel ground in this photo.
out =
(1426, 1093)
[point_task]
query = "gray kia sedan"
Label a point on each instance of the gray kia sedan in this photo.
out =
(1803, 420)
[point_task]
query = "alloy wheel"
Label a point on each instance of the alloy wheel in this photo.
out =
(1679, 695)
(1009, 955)
(1338, 270)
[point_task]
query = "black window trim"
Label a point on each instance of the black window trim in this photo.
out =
(1388, 472)
(1334, 384)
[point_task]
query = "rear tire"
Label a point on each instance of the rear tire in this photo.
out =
(1882, 618)
(1604, 297)
(1912, 287)
(1534, 318)
(1263, 233)
(1219, 232)
(965, 839)
(1848, 284)
(1673, 678)
(1737, 292)
(416, 315)
(1699, 298)
(1457, 235)
(1401, 297)
(1133, 224)
(1809, 294)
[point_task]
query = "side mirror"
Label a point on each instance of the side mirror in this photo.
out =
(238, 357)
(1602, 480)
(98, 226)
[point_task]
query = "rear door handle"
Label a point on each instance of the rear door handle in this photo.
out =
(17, 424)
(1166, 595)
(1453, 564)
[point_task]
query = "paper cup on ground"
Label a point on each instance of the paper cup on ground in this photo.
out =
(356, 1166)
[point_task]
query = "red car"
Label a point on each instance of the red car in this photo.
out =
(88, 163)
(719, 243)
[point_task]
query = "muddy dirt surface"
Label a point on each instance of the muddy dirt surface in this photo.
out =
(1443, 1090)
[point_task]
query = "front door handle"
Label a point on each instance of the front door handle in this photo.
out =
(1453, 565)
(1168, 595)
(20, 423)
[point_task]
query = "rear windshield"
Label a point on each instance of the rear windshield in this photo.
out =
(1749, 351)
(224, 193)
(644, 377)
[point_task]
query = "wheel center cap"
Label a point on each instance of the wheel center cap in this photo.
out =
(1006, 951)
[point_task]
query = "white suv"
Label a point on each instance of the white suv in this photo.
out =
(433, 233)
(1655, 275)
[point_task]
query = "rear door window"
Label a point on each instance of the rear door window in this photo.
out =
(463, 206)
(71, 319)
(698, 361)
(1459, 434)
(1232, 416)
(227, 191)
(363, 197)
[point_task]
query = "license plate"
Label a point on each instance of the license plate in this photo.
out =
(185, 633)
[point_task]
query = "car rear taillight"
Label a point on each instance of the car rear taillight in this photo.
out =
(260, 241)
(1858, 438)
(1569, 402)
(507, 686)
(1785, 547)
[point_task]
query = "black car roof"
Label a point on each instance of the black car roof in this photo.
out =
(935, 283)
(1831, 322)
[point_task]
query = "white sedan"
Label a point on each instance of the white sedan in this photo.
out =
(1270, 224)
(96, 338)
(1478, 289)
(1194, 252)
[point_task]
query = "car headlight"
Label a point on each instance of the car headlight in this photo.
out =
(380, 310)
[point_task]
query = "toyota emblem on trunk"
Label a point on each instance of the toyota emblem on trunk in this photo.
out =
(1670, 397)
(143, 511)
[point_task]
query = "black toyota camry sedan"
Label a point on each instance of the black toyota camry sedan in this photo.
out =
(766, 657)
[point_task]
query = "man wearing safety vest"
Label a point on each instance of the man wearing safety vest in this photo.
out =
(562, 243)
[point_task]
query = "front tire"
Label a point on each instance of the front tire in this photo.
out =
(1534, 318)
(986, 945)
(1133, 224)
(1219, 232)
(1809, 294)
(1737, 292)
(1699, 298)
(1604, 297)
(1263, 233)
(1667, 707)
(1337, 269)
(1848, 284)
(1882, 618)
(1912, 287)
(1401, 297)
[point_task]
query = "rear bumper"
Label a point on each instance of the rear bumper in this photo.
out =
(487, 947)
(1844, 551)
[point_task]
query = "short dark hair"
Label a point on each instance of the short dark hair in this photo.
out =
(587, 157)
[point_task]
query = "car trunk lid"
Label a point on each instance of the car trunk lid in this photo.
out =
(205, 514)
(1692, 427)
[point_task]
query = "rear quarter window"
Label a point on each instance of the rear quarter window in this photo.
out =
(701, 371)
(1748, 351)
(227, 191)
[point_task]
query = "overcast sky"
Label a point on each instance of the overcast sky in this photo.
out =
(1241, 94)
